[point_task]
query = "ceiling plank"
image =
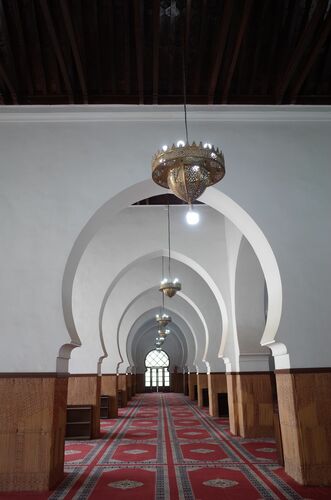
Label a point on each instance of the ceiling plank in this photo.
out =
(139, 37)
(240, 35)
(260, 32)
(8, 83)
(74, 47)
(57, 49)
(12, 76)
(299, 51)
(201, 50)
(220, 44)
(156, 49)
(172, 48)
(22, 55)
(302, 75)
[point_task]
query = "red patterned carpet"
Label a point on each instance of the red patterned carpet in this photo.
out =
(164, 447)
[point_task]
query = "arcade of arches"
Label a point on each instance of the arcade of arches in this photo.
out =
(82, 260)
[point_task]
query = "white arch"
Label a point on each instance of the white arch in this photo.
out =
(149, 316)
(215, 199)
(192, 305)
(176, 256)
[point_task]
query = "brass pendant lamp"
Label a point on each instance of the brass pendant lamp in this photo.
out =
(188, 169)
(168, 286)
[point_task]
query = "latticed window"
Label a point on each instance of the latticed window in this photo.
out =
(157, 374)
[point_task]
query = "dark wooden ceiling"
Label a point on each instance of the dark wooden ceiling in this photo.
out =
(131, 51)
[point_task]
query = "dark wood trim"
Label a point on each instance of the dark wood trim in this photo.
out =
(286, 371)
(250, 373)
(84, 375)
(106, 374)
(33, 375)
(216, 373)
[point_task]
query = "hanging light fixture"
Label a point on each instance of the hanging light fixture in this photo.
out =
(168, 286)
(188, 169)
(163, 318)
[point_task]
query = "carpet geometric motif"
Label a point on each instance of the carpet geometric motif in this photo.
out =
(165, 447)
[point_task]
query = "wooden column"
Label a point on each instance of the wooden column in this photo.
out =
(140, 383)
(255, 405)
(231, 382)
(192, 381)
(109, 388)
(202, 383)
(122, 386)
(85, 389)
(32, 430)
(304, 399)
(216, 384)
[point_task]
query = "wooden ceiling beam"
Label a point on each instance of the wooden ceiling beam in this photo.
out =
(156, 49)
(57, 48)
(310, 60)
(139, 37)
(299, 51)
(220, 44)
(235, 53)
(74, 47)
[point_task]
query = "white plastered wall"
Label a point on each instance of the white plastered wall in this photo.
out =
(66, 168)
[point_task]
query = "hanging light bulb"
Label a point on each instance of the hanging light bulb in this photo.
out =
(192, 217)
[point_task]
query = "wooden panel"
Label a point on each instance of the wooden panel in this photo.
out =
(122, 386)
(231, 382)
(192, 381)
(109, 388)
(255, 406)
(133, 384)
(86, 390)
(32, 428)
(140, 383)
(305, 418)
(216, 384)
(202, 383)
(176, 382)
(185, 383)
(129, 386)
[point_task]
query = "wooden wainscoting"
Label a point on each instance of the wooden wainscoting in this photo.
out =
(304, 398)
(32, 429)
(85, 389)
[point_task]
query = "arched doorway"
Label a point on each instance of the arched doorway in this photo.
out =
(157, 376)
